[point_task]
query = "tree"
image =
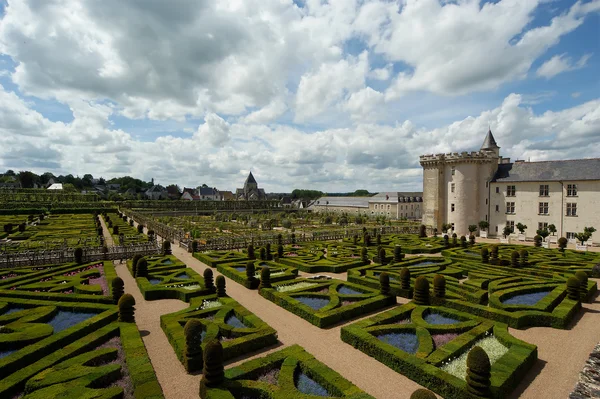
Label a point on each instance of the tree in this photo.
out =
(543, 233)
(586, 235)
(507, 231)
(472, 228)
(521, 227)
(552, 229)
(483, 225)
(27, 179)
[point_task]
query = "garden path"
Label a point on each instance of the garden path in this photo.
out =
(108, 240)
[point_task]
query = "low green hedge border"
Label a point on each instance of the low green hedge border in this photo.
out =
(215, 258)
(239, 276)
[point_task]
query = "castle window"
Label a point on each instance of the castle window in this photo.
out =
(453, 171)
(571, 190)
(570, 236)
(544, 190)
(543, 226)
(375, 206)
(497, 208)
(511, 191)
(511, 224)
(572, 209)
(543, 208)
(510, 207)
(452, 187)
(487, 183)
(486, 201)
(451, 207)
(497, 190)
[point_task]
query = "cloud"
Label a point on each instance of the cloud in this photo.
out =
(559, 64)
(215, 129)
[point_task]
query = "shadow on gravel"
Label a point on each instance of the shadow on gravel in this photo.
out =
(534, 372)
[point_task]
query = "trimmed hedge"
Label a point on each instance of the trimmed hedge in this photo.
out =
(237, 272)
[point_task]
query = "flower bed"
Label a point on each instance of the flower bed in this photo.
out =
(237, 272)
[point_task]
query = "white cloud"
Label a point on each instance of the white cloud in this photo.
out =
(215, 129)
(559, 64)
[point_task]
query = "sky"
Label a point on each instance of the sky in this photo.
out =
(331, 95)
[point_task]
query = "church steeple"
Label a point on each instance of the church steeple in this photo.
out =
(489, 143)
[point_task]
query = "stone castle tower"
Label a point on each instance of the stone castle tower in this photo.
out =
(456, 186)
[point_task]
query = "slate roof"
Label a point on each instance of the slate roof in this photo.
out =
(489, 143)
(395, 196)
(567, 170)
(207, 191)
(359, 202)
(250, 179)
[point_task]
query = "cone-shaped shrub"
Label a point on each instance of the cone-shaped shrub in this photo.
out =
(220, 282)
(251, 254)
(126, 308)
(524, 257)
(117, 289)
(537, 241)
(573, 288)
(421, 294)
(194, 246)
(151, 236)
(562, 244)
(109, 224)
(422, 231)
(363, 255)
(78, 255)
(262, 253)
(192, 359)
(478, 372)
(463, 241)
(494, 252)
(439, 286)
(485, 255)
(454, 239)
(140, 228)
(378, 240)
(384, 283)
(446, 241)
(471, 240)
(250, 271)
(100, 232)
(116, 230)
(354, 239)
(382, 257)
(583, 283)
(423, 394)
(134, 262)
(405, 278)
(398, 254)
(142, 268)
(280, 250)
(367, 240)
(213, 370)
(166, 248)
(268, 251)
(279, 239)
(514, 259)
(265, 278)
(209, 283)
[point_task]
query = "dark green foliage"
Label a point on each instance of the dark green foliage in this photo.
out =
(378, 239)
(382, 257)
(471, 240)
(562, 244)
(583, 283)
(78, 254)
(293, 238)
(220, 282)
(268, 251)
(439, 286)
(454, 239)
(195, 246)
(537, 241)
(166, 248)
(524, 257)
(280, 250)
(192, 359)
(134, 262)
(251, 254)
(131, 222)
(117, 289)
(494, 252)
(279, 239)
(514, 259)
(478, 372)
(151, 235)
(109, 224)
(126, 308)
(367, 240)
(485, 255)
(354, 239)
(22, 227)
(265, 278)
(262, 253)
(421, 294)
(8, 227)
(213, 371)
(208, 279)
(140, 228)
(423, 394)
(573, 288)
(384, 283)
(250, 271)
(363, 255)
(398, 255)
(142, 268)
(422, 231)
(446, 242)
(100, 231)
(463, 241)
(116, 230)
(405, 278)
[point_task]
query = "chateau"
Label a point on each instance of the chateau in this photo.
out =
(464, 189)
(392, 205)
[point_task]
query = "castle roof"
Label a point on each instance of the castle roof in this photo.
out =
(566, 170)
(250, 179)
(489, 143)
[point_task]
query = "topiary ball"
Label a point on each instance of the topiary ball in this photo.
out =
(265, 278)
(439, 286)
(126, 308)
(583, 283)
(142, 268)
(405, 278)
(573, 288)
(213, 371)
(117, 289)
(384, 283)
(478, 372)
(421, 294)
(220, 282)
(192, 333)
(423, 393)
(208, 279)
(250, 271)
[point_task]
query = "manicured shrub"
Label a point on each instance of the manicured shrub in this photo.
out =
(537, 240)
(439, 286)
(195, 246)
(192, 359)
(279, 239)
(151, 235)
(421, 295)
(471, 240)
(250, 271)
(524, 257)
(384, 283)
(78, 255)
(382, 257)
(514, 259)
(463, 241)
(422, 231)
(562, 244)
(117, 289)
(208, 279)
(454, 239)
(213, 370)
(485, 255)
(293, 237)
(8, 227)
(573, 288)
(583, 283)
(131, 222)
(494, 253)
(99, 231)
(262, 253)
(378, 240)
(126, 308)
(220, 282)
(268, 251)
(398, 255)
(22, 227)
(478, 372)
(166, 248)
(116, 230)
(142, 268)
(251, 254)
(134, 262)
(280, 250)
(363, 255)
(109, 224)
(405, 278)
(354, 239)
(367, 240)
(423, 393)
(140, 228)
(446, 241)
(265, 278)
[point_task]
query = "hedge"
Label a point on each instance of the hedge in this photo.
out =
(237, 272)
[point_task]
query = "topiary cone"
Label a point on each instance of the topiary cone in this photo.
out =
(220, 282)
(573, 288)
(265, 278)
(213, 371)
(142, 268)
(583, 282)
(126, 308)
(78, 255)
(384, 283)
(423, 394)
(398, 253)
(485, 255)
(192, 332)
(208, 280)
(250, 271)
(439, 286)
(514, 259)
(421, 294)
(478, 372)
(117, 289)
(405, 278)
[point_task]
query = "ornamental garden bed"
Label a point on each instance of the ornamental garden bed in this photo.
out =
(289, 373)
(214, 258)
(326, 302)
(428, 344)
(314, 258)
(239, 331)
(237, 272)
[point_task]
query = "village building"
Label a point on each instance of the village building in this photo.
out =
(250, 191)
(392, 205)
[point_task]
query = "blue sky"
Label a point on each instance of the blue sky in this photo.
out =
(334, 95)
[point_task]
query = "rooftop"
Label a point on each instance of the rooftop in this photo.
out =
(566, 170)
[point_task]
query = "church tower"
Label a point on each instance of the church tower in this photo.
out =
(250, 184)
